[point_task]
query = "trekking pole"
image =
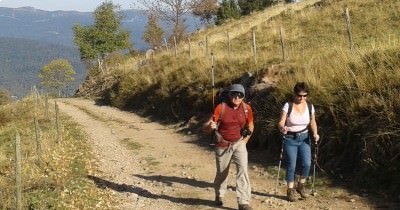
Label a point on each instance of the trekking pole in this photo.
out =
(279, 169)
(212, 139)
(212, 81)
(313, 192)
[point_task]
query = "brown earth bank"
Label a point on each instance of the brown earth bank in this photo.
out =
(151, 166)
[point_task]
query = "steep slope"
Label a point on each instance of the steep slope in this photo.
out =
(355, 91)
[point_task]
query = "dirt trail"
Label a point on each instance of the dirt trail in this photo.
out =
(150, 166)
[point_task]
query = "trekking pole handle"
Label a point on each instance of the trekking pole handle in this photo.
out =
(315, 151)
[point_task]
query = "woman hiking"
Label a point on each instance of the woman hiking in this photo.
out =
(298, 125)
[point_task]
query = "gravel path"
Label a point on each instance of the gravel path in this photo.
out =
(149, 166)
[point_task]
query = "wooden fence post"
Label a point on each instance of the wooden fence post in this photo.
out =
(206, 45)
(38, 142)
(58, 123)
(166, 44)
(347, 15)
(176, 49)
(282, 44)
(254, 46)
(190, 48)
(37, 97)
(46, 106)
(18, 171)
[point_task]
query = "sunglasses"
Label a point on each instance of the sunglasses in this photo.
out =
(301, 96)
(236, 94)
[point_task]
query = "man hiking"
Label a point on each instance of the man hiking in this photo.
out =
(233, 126)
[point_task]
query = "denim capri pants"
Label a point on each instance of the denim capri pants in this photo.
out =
(297, 148)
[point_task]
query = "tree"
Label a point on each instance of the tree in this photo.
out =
(249, 6)
(171, 11)
(56, 75)
(206, 10)
(153, 33)
(229, 9)
(104, 37)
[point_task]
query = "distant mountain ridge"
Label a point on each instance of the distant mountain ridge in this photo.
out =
(30, 38)
(50, 26)
(22, 59)
(56, 26)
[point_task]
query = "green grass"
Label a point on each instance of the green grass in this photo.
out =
(131, 145)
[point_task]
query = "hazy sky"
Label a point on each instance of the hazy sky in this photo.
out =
(51, 5)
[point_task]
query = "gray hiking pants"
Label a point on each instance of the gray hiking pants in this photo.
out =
(238, 153)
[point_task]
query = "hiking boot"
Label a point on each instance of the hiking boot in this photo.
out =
(301, 189)
(291, 194)
(245, 207)
(218, 201)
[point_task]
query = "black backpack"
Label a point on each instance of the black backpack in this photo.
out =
(221, 96)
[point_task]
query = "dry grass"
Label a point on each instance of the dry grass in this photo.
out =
(57, 178)
(355, 92)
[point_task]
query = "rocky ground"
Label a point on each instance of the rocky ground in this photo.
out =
(150, 166)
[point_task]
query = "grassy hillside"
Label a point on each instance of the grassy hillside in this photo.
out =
(355, 91)
(54, 175)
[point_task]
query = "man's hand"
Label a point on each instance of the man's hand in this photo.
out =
(213, 125)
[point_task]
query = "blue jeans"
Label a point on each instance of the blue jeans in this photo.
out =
(297, 147)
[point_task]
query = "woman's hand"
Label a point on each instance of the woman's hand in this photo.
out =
(283, 129)
(316, 138)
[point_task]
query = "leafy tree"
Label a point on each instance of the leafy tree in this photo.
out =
(228, 9)
(249, 6)
(171, 11)
(104, 37)
(56, 75)
(153, 33)
(206, 10)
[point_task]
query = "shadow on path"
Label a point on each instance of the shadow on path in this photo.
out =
(169, 180)
(282, 197)
(102, 183)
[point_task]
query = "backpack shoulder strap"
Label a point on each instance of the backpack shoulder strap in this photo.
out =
(246, 111)
(309, 105)
(222, 111)
(289, 109)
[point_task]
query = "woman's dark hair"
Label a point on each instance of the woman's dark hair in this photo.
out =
(300, 87)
